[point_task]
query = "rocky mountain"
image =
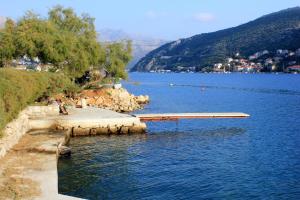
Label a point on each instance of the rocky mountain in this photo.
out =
(279, 30)
(112, 35)
(141, 44)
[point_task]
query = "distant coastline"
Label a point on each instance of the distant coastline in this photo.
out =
(214, 72)
(270, 43)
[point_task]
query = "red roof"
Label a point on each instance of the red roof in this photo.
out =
(294, 67)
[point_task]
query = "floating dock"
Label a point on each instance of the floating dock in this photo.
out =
(177, 116)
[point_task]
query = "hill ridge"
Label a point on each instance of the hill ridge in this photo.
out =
(269, 32)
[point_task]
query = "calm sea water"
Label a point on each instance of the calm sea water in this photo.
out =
(254, 158)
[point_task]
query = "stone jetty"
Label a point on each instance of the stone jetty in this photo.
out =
(91, 121)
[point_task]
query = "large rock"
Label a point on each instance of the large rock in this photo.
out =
(142, 99)
(119, 100)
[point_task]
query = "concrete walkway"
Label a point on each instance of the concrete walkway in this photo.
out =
(29, 170)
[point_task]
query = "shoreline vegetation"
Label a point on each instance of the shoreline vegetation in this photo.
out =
(62, 41)
(18, 89)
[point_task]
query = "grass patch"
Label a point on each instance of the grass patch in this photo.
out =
(21, 88)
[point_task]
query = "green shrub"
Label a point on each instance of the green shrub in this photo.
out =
(20, 88)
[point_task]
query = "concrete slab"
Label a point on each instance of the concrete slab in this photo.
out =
(89, 117)
(95, 117)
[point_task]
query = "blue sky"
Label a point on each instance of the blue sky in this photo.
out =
(165, 19)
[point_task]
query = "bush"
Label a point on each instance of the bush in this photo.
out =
(20, 88)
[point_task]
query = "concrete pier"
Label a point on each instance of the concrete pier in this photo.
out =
(91, 121)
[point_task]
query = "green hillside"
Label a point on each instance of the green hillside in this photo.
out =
(280, 30)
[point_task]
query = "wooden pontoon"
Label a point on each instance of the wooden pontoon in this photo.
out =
(177, 116)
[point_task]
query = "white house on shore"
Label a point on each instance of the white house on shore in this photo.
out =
(294, 69)
(26, 63)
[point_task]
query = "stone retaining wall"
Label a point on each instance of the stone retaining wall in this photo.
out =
(19, 126)
(108, 130)
(42, 111)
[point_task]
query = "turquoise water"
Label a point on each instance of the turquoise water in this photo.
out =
(254, 158)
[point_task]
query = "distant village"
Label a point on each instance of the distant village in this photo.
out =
(281, 60)
(30, 64)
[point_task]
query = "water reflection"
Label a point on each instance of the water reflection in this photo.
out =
(104, 164)
(93, 160)
(221, 131)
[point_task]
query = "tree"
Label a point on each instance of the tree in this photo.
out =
(36, 37)
(118, 56)
(7, 46)
(84, 51)
(68, 41)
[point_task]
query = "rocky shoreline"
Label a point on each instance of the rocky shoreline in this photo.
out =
(119, 100)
